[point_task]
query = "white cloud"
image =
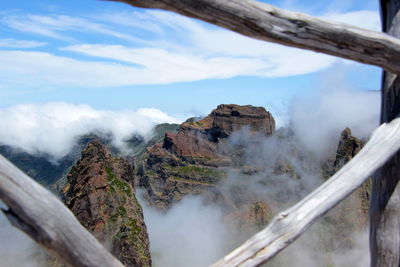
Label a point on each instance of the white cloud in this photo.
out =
(363, 18)
(171, 48)
(40, 69)
(318, 120)
(60, 26)
(189, 232)
(52, 128)
(12, 43)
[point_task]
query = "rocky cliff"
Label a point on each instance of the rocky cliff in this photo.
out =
(348, 147)
(233, 158)
(99, 192)
(351, 215)
(198, 140)
(195, 159)
(267, 171)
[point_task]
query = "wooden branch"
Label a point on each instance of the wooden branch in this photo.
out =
(290, 224)
(268, 23)
(385, 194)
(37, 212)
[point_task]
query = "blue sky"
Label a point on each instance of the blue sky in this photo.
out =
(75, 67)
(113, 56)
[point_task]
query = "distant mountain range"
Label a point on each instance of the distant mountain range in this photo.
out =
(233, 158)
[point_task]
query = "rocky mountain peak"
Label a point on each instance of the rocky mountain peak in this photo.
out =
(348, 147)
(229, 118)
(226, 119)
(192, 160)
(96, 150)
(100, 193)
(198, 139)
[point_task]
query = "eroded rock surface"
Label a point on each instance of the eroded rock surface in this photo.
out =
(348, 147)
(100, 194)
(196, 158)
(351, 215)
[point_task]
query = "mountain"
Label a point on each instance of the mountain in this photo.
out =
(39, 167)
(52, 173)
(351, 214)
(100, 193)
(195, 159)
(138, 144)
(233, 159)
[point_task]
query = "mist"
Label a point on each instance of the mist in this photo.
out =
(53, 128)
(191, 233)
(318, 118)
(198, 230)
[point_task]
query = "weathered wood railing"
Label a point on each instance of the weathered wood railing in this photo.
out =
(34, 210)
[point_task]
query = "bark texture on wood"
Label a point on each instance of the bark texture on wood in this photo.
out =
(290, 224)
(37, 212)
(385, 197)
(268, 23)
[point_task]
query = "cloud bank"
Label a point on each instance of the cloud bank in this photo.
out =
(199, 230)
(53, 128)
(319, 118)
(190, 232)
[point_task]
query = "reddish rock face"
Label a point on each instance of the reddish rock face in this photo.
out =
(100, 195)
(192, 160)
(190, 143)
(199, 139)
(348, 147)
(229, 118)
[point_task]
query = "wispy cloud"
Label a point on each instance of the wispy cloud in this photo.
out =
(20, 44)
(363, 18)
(166, 48)
(60, 26)
(41, 69)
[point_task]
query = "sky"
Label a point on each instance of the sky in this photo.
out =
(113, 56)
(73, 67)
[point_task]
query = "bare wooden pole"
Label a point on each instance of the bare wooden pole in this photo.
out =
(265, 22)
(290, 224)
(385, 197)
(37, 212)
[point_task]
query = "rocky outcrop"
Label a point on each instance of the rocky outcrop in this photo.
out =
(348, 147)
(192, 145)
(254, 215)
(100, 194)
(194, 159)
(198, 140)
(351, 215)
(229, 118)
